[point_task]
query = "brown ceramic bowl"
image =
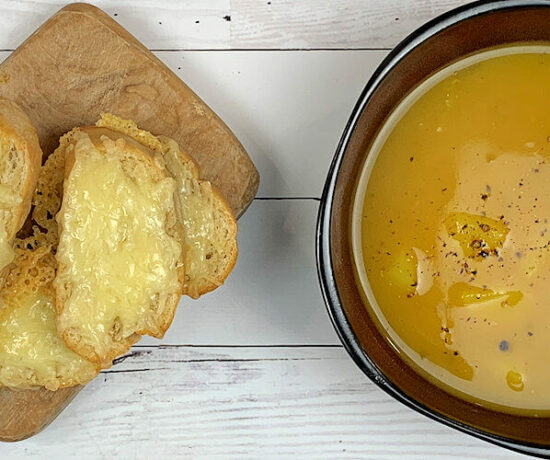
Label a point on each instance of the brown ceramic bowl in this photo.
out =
(448, 38)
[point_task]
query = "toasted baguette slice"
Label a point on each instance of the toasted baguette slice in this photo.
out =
(20, 160)
(31, 352)
(120, 262)
(209, 227)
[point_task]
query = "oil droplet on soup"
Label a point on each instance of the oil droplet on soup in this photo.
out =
(455, 233)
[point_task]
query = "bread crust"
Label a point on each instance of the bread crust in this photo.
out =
(70, 336)
(230, 223)
(16, 126)
(232, 250)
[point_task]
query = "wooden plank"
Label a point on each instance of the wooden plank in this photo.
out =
(243, 403)
(276, 250)
(272, 297)
(314, 24)
(163, 24)
(244, 24)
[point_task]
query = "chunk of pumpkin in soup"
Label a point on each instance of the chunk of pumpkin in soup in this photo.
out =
(478, 236)
(402, 273)
(464, 294)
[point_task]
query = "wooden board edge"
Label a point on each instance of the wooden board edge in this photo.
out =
(67, 395)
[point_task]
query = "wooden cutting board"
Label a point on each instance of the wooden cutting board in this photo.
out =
(81, 63)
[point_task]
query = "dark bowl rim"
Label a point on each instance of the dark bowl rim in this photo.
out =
(322, 237)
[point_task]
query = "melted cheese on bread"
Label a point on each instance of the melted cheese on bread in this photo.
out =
(209, 229)
(8, 200)
(31, 352)
(117, 265)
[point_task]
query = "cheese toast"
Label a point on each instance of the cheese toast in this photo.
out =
(120, 264)
(199, 220)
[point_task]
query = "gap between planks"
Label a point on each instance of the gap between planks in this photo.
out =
(289, 198)
(138, 350)
(299, 345)
(230, 50)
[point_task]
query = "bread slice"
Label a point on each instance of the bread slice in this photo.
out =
(20, 160)
(209, 227)
(119, 261)
(31, 352)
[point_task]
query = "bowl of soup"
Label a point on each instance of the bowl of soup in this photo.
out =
(433, 238)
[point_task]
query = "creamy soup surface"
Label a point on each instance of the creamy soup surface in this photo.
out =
(454, 231)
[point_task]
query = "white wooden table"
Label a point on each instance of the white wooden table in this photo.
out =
(254, 369)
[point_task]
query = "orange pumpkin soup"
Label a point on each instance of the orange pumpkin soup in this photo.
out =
(451, 229)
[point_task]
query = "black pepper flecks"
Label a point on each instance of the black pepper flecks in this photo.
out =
(503, 345)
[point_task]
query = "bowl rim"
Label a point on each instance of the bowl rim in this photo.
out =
(322, 237)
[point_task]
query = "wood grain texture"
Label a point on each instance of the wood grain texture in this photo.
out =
(76, 66)
(245, 24)
(82, 63)
(25, 413)
(330, 24)
(215, 402)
